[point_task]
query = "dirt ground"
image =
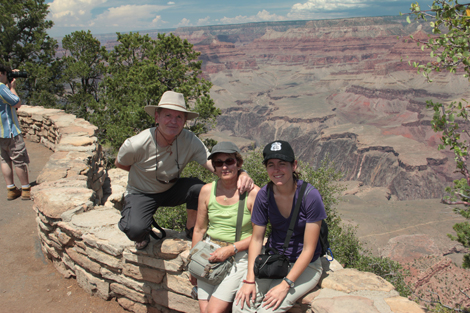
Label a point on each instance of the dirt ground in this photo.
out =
(28, 281)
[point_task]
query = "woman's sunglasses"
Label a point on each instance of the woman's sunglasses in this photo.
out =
(220, 163)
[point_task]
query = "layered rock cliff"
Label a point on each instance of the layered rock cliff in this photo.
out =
(341, 88)
(338, 87)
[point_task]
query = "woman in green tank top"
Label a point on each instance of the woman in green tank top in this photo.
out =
(216, 221)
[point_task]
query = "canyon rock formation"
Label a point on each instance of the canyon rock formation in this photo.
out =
(341, 88)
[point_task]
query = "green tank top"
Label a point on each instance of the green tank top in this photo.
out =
(223, 219)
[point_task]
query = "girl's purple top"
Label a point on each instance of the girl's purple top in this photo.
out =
(311, 210)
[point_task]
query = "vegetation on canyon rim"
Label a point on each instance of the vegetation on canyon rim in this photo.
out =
(110, 89)
(450, 44)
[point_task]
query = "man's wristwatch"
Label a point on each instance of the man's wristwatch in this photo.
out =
(235, 249)
(289, 282)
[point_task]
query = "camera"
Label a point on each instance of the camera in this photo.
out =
(12, 75)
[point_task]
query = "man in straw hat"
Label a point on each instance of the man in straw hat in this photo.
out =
(155, 159)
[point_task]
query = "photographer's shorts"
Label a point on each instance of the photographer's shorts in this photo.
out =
(14, 150)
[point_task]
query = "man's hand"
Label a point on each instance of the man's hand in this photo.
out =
(244, 183)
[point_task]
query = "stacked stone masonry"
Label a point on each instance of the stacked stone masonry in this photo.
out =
(78, 207)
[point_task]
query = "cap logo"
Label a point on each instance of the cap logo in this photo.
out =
(276, 146)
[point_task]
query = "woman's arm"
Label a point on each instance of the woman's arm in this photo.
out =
(201, 219)
(276, 295)
(247, 292)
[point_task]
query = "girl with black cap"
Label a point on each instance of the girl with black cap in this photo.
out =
(275, 203)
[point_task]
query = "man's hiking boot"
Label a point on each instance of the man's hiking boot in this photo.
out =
(13, 193)
(26, 193)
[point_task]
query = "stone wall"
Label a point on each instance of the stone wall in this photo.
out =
(77, 203)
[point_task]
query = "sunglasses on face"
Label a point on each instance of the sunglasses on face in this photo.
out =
(228, 162)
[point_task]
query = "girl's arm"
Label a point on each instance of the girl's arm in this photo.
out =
(247, 292)
(276, 295)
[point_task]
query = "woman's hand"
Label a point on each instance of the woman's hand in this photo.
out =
(246, 294)
(275, 296)
(222, 254)
(193, 280)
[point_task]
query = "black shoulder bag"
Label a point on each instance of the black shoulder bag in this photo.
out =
(275, 265)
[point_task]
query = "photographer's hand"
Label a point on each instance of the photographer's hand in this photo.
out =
(12, 84)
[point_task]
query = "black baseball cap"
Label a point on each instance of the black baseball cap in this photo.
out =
(224, 147)
(278, 149)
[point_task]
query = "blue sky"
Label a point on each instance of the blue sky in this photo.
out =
(110, 16)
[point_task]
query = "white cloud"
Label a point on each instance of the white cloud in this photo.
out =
(171, 3)
(260, 17)
(203, 21)
(157, 21)
(65, 12)
(128, 18)
(184, 22)
(326, 5)
(78, 14)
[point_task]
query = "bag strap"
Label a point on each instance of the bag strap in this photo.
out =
(294, 216)
(162, 231)
(241, 208)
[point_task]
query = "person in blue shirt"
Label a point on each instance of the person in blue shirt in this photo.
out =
(12, 147)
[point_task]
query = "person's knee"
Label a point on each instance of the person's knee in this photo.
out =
(21, 167)
(195, 189)
(136, 232)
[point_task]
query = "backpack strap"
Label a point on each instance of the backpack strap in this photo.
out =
(294, 216)
(241, 208)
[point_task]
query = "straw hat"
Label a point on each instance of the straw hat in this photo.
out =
(173, 101)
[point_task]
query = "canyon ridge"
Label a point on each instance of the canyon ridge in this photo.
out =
(341, 88)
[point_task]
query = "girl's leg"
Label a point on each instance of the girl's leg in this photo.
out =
(306, 282)
(262, 287)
